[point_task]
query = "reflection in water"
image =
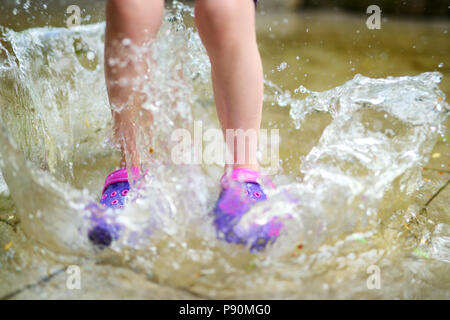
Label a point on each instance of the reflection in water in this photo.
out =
(354, 199)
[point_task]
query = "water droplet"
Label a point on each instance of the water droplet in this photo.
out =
(26, 5)
(90, 55)
(282, 66)
(123, 82)
(126, 41)
(301, 89)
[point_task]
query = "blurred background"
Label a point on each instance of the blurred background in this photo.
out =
(393, 7)
(318, 43)
(419, 9)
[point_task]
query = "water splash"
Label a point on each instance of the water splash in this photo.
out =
(55, 142)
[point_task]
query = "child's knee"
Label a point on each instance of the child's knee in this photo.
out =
(126, 8)
(135, 19)
(215, 17)
(134, 10)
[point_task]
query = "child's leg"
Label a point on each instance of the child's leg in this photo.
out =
(227, 29)
(137, 21)
(228, 32)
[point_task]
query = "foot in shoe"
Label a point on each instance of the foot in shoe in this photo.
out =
(239, 193)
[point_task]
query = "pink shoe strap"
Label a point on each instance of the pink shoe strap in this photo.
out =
(245, 175)
(119, 176)
(242, 175)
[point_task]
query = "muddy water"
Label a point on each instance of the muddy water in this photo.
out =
(364, 164)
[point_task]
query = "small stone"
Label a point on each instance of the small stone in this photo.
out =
(8, 245)
(435, 155)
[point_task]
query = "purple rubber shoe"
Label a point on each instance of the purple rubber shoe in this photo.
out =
(115, 190)
(239, 193)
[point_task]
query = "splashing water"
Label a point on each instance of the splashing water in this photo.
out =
(55, 151)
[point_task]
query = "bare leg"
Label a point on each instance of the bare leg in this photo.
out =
(227, 29)
(129, 23)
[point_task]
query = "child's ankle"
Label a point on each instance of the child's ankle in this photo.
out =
(252, 167)
(239, 174)
(245, 175)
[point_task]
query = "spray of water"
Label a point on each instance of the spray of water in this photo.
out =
(56, 147)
